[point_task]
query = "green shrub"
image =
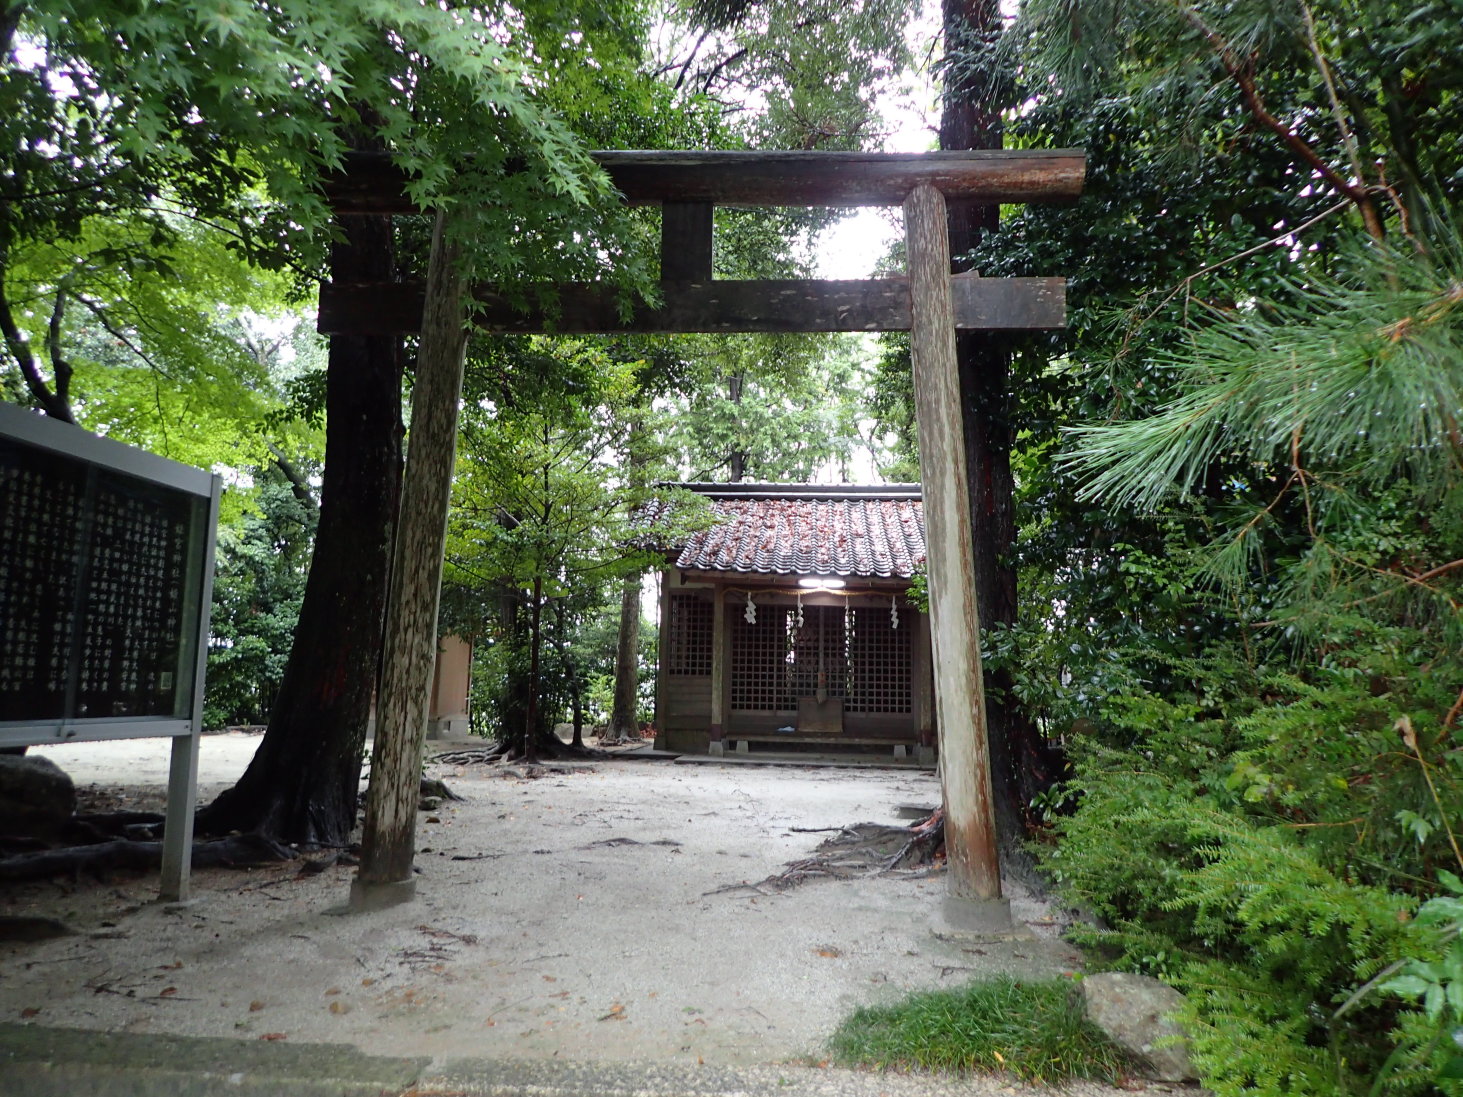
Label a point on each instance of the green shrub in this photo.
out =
(1270, 865)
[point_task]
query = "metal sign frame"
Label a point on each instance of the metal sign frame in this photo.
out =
(183, 722)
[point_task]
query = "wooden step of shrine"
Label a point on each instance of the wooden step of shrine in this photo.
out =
(741, 744)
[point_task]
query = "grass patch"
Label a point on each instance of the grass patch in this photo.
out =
(1034, 1030)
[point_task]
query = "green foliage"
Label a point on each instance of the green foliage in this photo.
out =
(162, 341)
(1033, 1030)
(1261, 845)
(1240, 577)
(769, 408)
(542, 528)
(1435, 1046)
(790, 76)
(259, 583)
(122, 123)
(1356, 373)
(596, 647)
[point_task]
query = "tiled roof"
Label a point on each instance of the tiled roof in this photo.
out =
(793, 529)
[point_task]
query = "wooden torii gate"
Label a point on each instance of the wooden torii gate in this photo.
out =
(928, 302)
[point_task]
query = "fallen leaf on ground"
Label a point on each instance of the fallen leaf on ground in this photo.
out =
(616, 1013)
(274, 1036)
(255, 1006)
(29, 1012)
(829, 951)
(338, 1006)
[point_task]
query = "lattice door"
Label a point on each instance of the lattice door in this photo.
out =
(817, 654)
(759, 661)
(879, 664)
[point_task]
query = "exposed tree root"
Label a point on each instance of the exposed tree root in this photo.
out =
(436, 789)
(611, 738)
(501, 753)
(102, 826)
(862, 850)
(237, 851)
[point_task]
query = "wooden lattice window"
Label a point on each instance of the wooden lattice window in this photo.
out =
(879, 664)
(688, 635)
(759, 661)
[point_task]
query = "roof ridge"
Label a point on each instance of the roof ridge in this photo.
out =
(746, 489)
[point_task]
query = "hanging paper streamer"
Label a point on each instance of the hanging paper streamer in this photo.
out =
(750, 613)
(893, 613)
(799, 617)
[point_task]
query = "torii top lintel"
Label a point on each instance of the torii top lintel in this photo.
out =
(372, 184)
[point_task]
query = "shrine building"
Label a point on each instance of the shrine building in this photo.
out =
(787, 624)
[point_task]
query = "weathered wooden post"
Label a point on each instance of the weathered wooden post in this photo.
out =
(970, 823)
(388, 845)
(718, 673)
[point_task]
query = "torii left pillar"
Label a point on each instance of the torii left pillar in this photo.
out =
(974, 879)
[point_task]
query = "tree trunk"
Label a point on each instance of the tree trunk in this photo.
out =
(1021, 764)
(301, 785)
(623, 715)
(513, 707)
(570, 666)
(623, 724)
(388, 843)
(737, 461)
(535, 653)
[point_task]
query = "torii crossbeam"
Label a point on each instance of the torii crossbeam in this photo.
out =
(928, 302)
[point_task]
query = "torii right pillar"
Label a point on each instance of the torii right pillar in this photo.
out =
(974, 901)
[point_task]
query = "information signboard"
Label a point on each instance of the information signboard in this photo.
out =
(106, 571)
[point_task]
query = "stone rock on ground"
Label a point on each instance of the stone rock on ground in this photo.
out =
(1134, 1011)
(36, 797)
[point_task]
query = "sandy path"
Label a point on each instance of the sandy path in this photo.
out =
(565, 916)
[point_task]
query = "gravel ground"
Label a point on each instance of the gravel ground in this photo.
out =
(590, 916)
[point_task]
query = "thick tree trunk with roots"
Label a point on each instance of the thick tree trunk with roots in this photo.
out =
(1021, 764)
(301, 785)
